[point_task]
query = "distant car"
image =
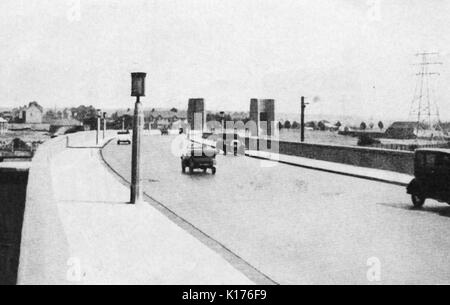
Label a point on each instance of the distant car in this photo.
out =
(123, 137)
(164, 132)
(199, 158)
(431, 176)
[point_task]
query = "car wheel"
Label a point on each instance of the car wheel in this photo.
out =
(418, 200)
(118, 143)
(213, 170)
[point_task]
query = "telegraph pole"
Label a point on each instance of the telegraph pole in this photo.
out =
(302, 120)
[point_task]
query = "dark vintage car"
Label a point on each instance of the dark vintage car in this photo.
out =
(199, 158)
(432, 176)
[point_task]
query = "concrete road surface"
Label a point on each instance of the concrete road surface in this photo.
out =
(299, 226)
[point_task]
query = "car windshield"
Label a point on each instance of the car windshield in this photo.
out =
(201, 151)
(432, 160)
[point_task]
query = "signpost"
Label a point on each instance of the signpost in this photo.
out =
(137, 90)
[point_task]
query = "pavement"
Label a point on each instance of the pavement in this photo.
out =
(336, 168)
(79, 229)
(295, 225)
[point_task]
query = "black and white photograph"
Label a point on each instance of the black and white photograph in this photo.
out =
(224, 148)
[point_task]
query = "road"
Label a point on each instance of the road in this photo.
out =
(300, 226)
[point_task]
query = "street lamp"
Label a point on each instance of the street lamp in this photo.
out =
(235, 143)
(98, 125)
(104, 125)
(224, 136)
(137, 90)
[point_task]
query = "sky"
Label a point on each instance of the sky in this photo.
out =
(347, 57)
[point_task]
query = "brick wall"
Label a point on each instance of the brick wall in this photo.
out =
(397, 161)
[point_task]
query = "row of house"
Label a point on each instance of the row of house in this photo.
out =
(29, 114)
(32, 117)
(33, 113)
(159, 119)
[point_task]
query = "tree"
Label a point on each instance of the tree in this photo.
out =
(311, 124)
(321, 126)
(295, 125)
(87, 115)
(363, 126)
(371, 125)
(210, 117)
(287, 125)
(338, 124)
(174, 110)
(280, 126)
(380, 125)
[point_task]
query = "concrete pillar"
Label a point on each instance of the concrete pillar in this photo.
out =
(262, 112)
(196, 114)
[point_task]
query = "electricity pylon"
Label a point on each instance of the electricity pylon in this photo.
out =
(424, 108)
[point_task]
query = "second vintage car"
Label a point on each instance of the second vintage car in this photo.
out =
(123, 137)
(431, 176)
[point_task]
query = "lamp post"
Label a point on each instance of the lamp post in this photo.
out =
(235, 143)
(137, 90)
(224, 136)
(104, 124)
(98, 126)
